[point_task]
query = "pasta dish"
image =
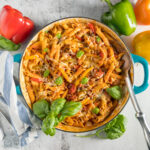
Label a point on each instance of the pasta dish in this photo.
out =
(75, 60)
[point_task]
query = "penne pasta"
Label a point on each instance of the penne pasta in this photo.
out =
(74, 60)
(77, 82)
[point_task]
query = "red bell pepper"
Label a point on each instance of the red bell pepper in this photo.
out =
(36, 80)
(92, 27)
(79, 38)
(101, 54)
(99, 73)
(13, 25)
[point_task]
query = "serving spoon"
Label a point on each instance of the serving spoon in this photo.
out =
(139, 114)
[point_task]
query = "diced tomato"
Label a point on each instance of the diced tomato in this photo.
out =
(99, 73)
(76, 67)
(91, 26)
(72, 97)
(101, 54)
(79, 38)
(59, 73)
(93, 40)
(96, 103)
(36, 80)
(72, 89)
(80, 85)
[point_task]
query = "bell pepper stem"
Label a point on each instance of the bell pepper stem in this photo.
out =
(109, 3)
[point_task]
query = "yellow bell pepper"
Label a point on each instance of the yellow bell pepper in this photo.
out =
(141, 45)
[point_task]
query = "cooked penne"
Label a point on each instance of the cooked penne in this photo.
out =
(74, 60)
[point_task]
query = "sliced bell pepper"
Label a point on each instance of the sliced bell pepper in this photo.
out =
(79, 38)
(120, 17)
(13, 25)
(99, 73)
(142, 12)
(101, 54)
(36, 80)
(91, 26)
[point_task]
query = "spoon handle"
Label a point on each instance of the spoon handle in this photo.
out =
(139, 114)
(141, 117)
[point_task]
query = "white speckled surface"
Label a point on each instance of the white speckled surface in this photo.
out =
(45, 11)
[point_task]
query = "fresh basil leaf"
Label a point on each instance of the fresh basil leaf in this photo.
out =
(48, 124)
(113, 130)
(71, 108)
(115, 92)
(88, 135)
(59, 81)
(113, 133)
(45, 50)
(110, 124)
(84, 80)
(95, 110)
(8, 44)
(46, 73)
(58, 35)
(80, 54)
(61, 118)
(98, 39)
(56, 121)
(41, 108)
(57, 105)
(116, 127)
(52, 131)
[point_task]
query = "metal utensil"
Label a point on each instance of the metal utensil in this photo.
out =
(139, 114)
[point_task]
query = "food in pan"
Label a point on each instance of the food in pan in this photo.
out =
(74, 60)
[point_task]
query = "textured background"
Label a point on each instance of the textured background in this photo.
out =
(43, 12)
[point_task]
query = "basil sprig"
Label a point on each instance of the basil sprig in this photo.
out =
(41, 108)
(112, 130)
(57, 112)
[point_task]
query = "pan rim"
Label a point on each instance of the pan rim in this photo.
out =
(86, 18)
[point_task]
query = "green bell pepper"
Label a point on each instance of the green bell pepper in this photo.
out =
(120, 17)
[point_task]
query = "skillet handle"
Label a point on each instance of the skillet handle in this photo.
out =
(17, 59)
(144, 86)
